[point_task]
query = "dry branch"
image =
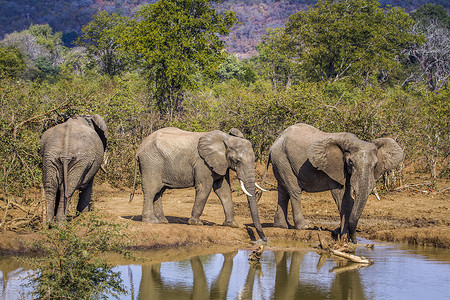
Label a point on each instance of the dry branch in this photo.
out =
(351, 257)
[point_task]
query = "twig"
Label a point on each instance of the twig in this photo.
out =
(443, 190)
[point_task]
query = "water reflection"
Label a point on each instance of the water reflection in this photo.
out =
(14, 272)
(396, 274)
(276, 277)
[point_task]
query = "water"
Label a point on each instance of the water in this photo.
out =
(397, 273)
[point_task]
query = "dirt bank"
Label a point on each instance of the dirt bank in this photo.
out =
(421, 218)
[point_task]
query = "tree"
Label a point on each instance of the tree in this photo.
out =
(275, 52)
(431, 12)
(433, 56)
(45, 37)
(100, 38)
(177, 40)
(74, 266)
(343, 38)
(12, 62)
(41, 47)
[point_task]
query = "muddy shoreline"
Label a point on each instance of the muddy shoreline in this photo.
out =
(400, 217)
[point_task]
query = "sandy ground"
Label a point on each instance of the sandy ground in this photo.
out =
(419, 217)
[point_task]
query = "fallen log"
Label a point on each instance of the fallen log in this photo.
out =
(351, 257)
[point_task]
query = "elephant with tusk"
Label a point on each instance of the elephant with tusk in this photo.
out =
(307, 159)
(174, 158)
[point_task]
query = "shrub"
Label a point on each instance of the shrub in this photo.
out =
(72, 266)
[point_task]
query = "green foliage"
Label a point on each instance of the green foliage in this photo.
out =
(12, 62)
(100, 37)
(277, 56)
(45, 37)
(177, 39)
(349, 39)
(46, 68)
(72, 266)
(431, 12)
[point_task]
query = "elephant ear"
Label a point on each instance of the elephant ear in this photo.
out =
(100, 127)
(236, 132)
(327, 156)
(389, 155)
(212, 149)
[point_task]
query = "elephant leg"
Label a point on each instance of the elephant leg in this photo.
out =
(202, 191)
(339, 196)
(299, 220)
(150, 189)
(84, 198)
(280, 219)
(52, 196)
(61, 208)
(157, 207)
(290, 183)
(223, 191)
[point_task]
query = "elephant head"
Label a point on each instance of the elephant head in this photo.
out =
(223, 151)
(355, 165)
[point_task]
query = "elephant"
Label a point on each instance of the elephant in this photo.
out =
(72, 153)
(306, 159)
(173, 158)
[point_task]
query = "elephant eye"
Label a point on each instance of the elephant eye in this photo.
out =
(234, 159)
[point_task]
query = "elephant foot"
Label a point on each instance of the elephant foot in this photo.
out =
(302, 224)
(280, 223)
(193, 221)
(162, 219)
(231, 223)
(150, 219)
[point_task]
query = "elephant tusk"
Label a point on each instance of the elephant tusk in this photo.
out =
(243, 189)
(375, 192)
(103, 169)
(257, 185)
(353, 193)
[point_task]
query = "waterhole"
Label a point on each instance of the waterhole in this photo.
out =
(398, 272)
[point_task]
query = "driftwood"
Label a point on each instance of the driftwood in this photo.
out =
(18, 216)
(425, 187)
(351, 257)
(342, 249)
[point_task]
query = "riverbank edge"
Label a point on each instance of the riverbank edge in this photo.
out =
(148, 236)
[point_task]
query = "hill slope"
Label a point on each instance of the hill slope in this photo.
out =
(68, 16)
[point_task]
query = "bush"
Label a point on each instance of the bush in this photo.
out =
(72, 266)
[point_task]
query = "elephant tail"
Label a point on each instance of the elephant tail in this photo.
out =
(134, 180)
(65, 163)
(264, 178)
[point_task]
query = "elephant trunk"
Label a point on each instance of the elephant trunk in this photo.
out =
(360, 194)
(249, 186)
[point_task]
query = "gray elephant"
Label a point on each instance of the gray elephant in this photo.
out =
(72, 153)
(307, 159)
(174, 158)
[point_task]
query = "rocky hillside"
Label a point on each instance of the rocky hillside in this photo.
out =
(68, 16)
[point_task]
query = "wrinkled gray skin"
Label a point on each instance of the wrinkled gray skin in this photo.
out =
(173, 158)
(307, 159)
(72, 153)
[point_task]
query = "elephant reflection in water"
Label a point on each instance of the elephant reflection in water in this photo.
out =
(153, 287)
(286, 282)
(12, 272)
(346, 283)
